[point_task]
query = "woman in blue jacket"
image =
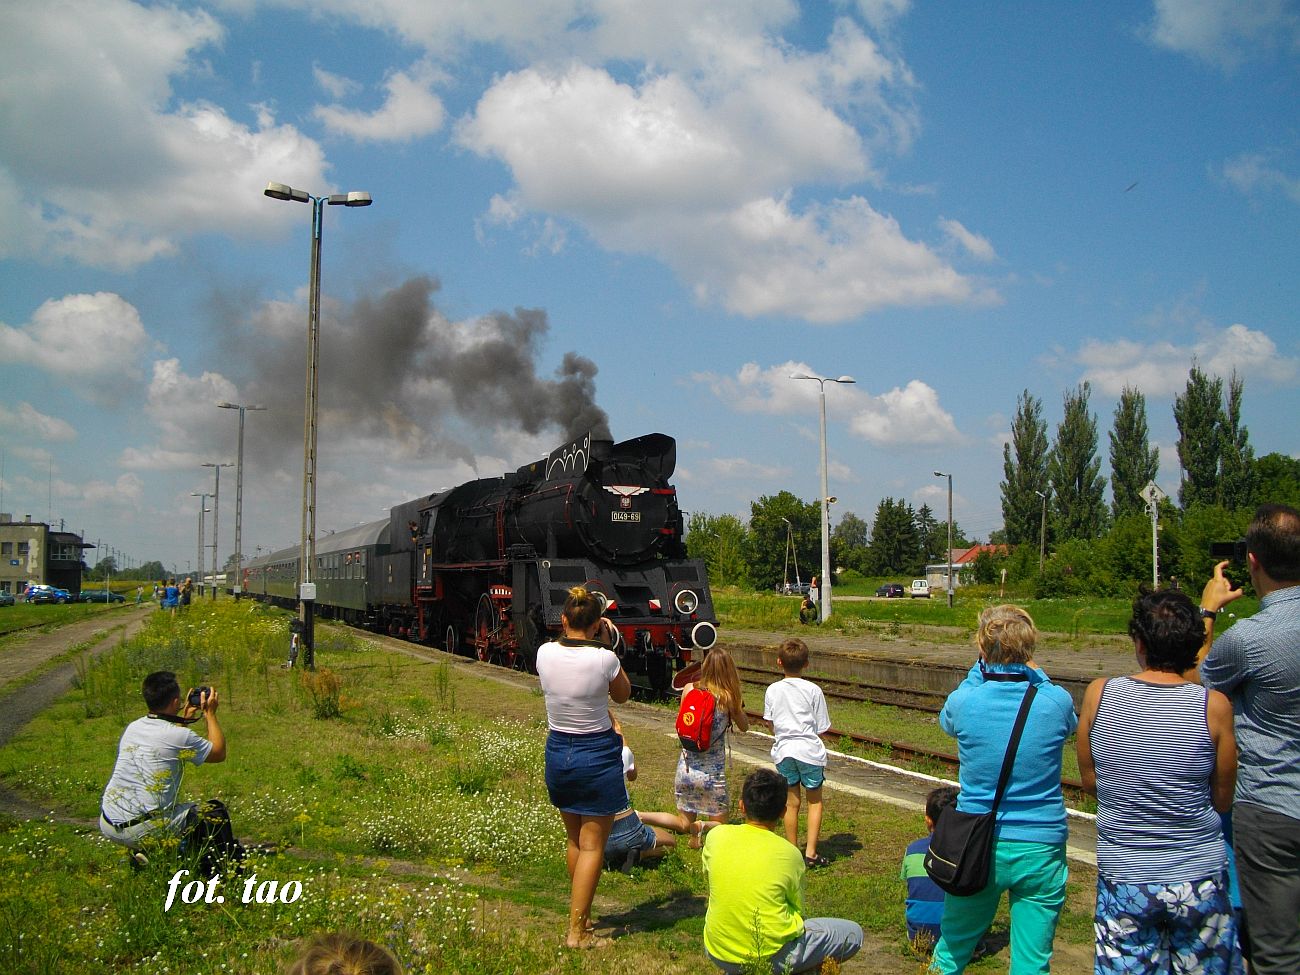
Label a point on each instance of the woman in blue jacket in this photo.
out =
(1029, 849)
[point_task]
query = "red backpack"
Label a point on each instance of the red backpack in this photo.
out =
(695, 719)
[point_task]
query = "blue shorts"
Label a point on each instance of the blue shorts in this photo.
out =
(801, 773)
(584, 773)
(628, 834)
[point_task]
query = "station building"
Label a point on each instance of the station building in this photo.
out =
(33, 552)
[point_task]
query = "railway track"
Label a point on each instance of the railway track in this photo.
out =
(844, 690)
(903, 751)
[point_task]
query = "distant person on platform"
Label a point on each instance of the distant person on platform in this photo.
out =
(1257, 664)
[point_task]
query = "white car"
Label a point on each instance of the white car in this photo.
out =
(920, 589)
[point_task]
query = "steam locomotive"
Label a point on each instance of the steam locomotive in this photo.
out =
(484, 568)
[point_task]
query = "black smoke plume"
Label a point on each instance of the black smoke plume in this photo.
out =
(394, 369)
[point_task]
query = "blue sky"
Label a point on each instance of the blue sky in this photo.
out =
(659, 210)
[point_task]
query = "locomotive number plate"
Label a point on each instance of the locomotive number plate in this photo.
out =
(625, 516)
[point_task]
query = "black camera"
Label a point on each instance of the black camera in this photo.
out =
(196, 696)
(1232, 551)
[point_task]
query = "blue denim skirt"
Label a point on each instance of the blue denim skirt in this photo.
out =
(584, 773)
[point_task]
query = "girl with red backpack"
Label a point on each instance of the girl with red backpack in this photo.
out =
(701, 781)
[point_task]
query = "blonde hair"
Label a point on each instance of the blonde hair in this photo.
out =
(342, 954)
(718, 676)
(1006, 635)
(582, 609)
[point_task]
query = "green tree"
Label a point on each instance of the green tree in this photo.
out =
(851, 532)
(1236, 458)
(932, 540)
(1024, 469)
(1199, 415)
(849, 543)
(149, 570)
(105, 566)
(895, 546)
(721, 541)
(1078, 510)
(765, 548)
(1134, 463)
(1277, 480)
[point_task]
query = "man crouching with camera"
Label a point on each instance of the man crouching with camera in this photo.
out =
(139, 807)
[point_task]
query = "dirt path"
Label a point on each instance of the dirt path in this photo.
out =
(26, 654)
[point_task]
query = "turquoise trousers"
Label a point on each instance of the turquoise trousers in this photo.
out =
(1033, 876)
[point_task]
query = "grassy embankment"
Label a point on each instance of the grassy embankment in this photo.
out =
(21, 616)
(416, 816)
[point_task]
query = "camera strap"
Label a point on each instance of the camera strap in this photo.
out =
(174, 718)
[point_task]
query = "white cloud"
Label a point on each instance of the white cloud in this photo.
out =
(99, 73)
(1225, 32)
(1160, 368)
(696, 168)
(410, 109)
(881, 14)
(334, 85)
(180, 405)
(976, 246)
(158, 458)
(1256, 171)
(905, 416)
(93, 342)
(126, 491)
(741, 468)
(27, 421)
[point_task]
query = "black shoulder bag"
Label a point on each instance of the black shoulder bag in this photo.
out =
(961, 849)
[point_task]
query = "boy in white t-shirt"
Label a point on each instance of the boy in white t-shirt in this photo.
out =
(796, 709)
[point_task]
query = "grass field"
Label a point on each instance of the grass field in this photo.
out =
(1067, 619)
(416, 816)
(20, 616)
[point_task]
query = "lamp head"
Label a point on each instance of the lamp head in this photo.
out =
(354, 198)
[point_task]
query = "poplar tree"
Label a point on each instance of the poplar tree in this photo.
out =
(1134, 463)
(1199, 415)
(1024, 469)
(1078, 510)
(1237, 457)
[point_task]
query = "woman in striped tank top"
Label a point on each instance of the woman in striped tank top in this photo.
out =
(1159, 753)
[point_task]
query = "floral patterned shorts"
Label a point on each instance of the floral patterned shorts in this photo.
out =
(1184, 928)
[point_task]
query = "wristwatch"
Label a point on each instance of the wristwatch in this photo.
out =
(1208, 614)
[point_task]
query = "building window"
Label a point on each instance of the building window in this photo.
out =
(6, 548)
(22, 548)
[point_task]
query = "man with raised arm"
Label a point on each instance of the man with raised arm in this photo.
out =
(1257, 664)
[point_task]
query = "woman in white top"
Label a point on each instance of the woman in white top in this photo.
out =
(580, 675)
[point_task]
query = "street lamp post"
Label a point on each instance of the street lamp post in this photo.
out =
(824, 603)
(203, 506)
(1042, 533)
(239, 495)
(307, 547)
(949, 477)
(216, 513)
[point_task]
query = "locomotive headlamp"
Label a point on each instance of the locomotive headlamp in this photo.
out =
(687, 601)
(704, 635)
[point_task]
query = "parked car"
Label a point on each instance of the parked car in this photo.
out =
(6, 598)
(892, 590)
(920, 589)
(100, 596)
(48, 594)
